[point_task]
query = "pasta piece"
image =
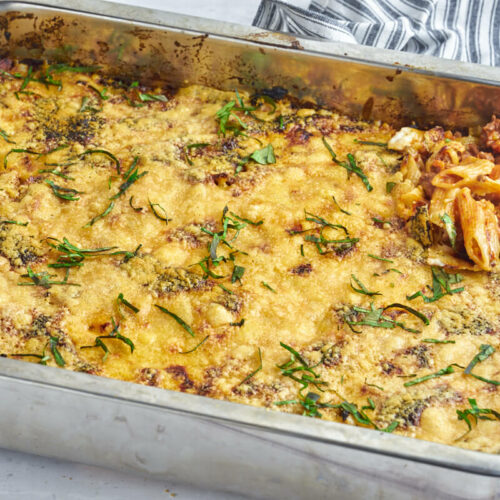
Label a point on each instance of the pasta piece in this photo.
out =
(408, 198)
(472, 175)
(480, 229)
(411, 167)
(443, 154)
(442, 203)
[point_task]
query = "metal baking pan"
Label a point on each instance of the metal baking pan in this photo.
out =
(214, 444)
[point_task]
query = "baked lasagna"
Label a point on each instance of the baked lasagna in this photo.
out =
(252, 248)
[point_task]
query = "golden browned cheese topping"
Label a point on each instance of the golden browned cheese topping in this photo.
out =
(246, 248)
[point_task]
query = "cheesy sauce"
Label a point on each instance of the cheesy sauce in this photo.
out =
(284, 289)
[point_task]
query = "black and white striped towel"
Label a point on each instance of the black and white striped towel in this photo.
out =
(466, 30)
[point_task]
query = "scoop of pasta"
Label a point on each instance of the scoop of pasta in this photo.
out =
(459, 188)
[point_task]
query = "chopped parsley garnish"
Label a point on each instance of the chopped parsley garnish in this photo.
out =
(121, 300)
(136, 209)
(476, 413)
(101, 93)
(438, 341)
(239, 323)
(389, 186)
(130, 176)
(105, 153)
(248, 221)
(441, 285)
(269, 100)
(376, 387)
(485, 351)
(371, 143)
(64, 193)
(113, 335)
(310, 403)
(451, 230)
(179, 320)
(325, 245)
(85, 106)
(264, 156)
(53, 342)
(195, 347)
(381, 221)
(73, 256)
(227, 111)
(269, 287)
(222, 287)
(52, 345)
(100, 216)
(196, 145)
(55, 171)
(374, 317)
(17, 223)
(223, 115)
(5, 136)
(43, 279)
(16, 150)
(380, 258)
(250, 375)
(350, 165)
(44, 79)
(163, 218)
(338, 206)
(238, 272)
(362, 289)
(231, 222)
(151, 97)
(444, 371)
(297, 364)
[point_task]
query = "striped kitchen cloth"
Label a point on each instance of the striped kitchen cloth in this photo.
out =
(466, 30)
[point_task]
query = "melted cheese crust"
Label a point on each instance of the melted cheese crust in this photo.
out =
(313, 291)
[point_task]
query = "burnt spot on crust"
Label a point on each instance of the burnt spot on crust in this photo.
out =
(180, 374)
(232, 302)
(332, 356)
(191, 234)
(38, 327)
(49, 128)
(325, 124)
(390, 368)
(79, 128)
(298, 135)
(421, 353)
(18, 246)
(406, 410)
(149, 376)
(86, 367)
(149, 272)
(458, 322)
(207, 386)
(275, 93)
(173, 280)
(302, 269)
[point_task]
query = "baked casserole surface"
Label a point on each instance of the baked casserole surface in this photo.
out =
(252, 248)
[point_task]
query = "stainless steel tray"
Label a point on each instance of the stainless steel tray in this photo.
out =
(216, 444)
